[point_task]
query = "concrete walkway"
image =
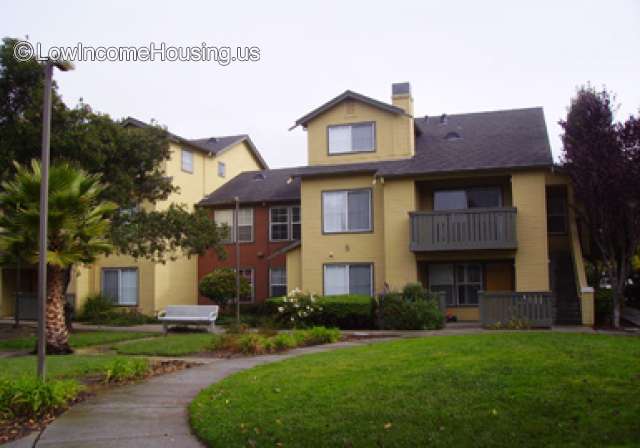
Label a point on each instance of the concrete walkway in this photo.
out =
(153, 413)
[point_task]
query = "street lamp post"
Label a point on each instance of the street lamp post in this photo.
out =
(44, 210)
(237, 235)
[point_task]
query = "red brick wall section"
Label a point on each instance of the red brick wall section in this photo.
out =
(252, 255)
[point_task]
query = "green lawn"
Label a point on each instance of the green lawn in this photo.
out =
(72, 366)
(171, 345)
(506, 390)
(76, 340)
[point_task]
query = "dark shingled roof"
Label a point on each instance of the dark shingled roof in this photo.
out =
(347, 95)
(257, 186)
(504, 139)
(212, 145)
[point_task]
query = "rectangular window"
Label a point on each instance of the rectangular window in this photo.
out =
(284, 223)
(279, 223)
(477, 197)
(344, 139)
(245, 225)
(187, 161)
(225, 220)
(120, 285)
(459, 283)
(348, 279)
(296, 230)
(346, 211)
(278, 282)
(248, 275)
(556, 211)
(222, 169)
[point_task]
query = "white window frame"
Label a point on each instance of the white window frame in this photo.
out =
(188, 161)
(233, 229)
(346, 212)
(117, 300)
(332, 150)
(348, 267)
(222, 169)
(272, 284)
(289, 223)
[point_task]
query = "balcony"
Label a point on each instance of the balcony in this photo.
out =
(467, 229)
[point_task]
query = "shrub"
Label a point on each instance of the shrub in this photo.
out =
(29, 397)
(604, 306)
(344, 311)
(395, 312)
(283, 342)
(320, 335)
(251, 344)
(413, 292)
(297, 309)
(513, 324)
(220, 286)
(99, 310)
(126, 370)
(95, 308)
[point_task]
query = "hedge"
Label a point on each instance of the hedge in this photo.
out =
(348, 312)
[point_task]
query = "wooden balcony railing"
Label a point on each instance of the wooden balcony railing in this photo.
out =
(534, 308)
(467, 229)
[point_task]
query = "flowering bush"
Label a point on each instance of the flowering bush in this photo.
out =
(298, 308)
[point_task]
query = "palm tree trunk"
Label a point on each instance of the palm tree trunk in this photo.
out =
(57, 333)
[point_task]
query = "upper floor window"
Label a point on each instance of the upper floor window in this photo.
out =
(222, 169)
(346, 211)
(244, 228)
(347, 138)
(556, 210)
(476, 197)
(187, 160)
(284, 223)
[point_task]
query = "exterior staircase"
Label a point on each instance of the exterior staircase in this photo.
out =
(563, 285)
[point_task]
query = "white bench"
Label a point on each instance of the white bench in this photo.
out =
(189, 315)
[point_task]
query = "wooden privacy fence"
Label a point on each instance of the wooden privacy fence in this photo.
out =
(537, 308)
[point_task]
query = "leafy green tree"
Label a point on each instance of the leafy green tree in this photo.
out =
(129, 160)
(220, 286)
(78, 231)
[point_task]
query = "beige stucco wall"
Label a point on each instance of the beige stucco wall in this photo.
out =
(320, 249)
(400, 265)
(294, 269)
(394, 134)
(174, 282)
(532, 256)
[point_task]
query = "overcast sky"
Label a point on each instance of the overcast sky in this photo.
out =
(459, 56)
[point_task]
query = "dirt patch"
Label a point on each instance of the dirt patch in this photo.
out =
(358, 336)
(17, 428)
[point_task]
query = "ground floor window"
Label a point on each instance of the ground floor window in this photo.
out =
(278, 282)
(348, 279)
(459, 282)
(248, 274)
(120, 285)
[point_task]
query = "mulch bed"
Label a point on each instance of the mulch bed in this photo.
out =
(21, 427)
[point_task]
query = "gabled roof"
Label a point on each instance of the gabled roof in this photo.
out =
(347, 95)
(504, 139)
(211, 145)
(277, 185)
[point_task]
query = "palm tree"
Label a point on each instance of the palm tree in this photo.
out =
(77, 231)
